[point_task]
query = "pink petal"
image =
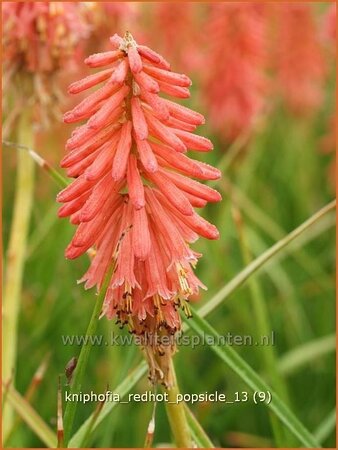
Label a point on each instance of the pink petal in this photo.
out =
(135, 185)
(88, 104)
(98, 196)
(179, 124)
(195, 222)
(75, 218)
(103, 161)
(116, 41)
(202, 226)
(157, 104)
(196, 202)
(72, 118)
(81, 152)
(194, 187)
(147, 156)
(183, 113)
(165, 228)
(120, 72)
(135, 61)
(90, 81)
(168, 77)
(122, 152)
(141, 236)
(164, 133)
(104, 115)
(79, 136)
(178, 160)
(104, 58)
(156, 272)
(174, 91)
(146, 82)
(139, 121)
(74, 205)
(88, 232)
(76, 169)
(171, 192)
(153, 57)
(78, 187)
(194, 141)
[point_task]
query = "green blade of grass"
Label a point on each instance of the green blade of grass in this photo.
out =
(294, 310)
(267, 256)
(31, 418)
(326, 427)
(41, 162)
(80, 369)
(306, 354)
(201, 438)
(252, 380)
(271, 228)
(15, 257)
(41, 231)
(122, 389)
(262, 327)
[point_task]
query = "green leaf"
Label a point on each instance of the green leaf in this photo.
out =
(200, 437)
(122, 389)
(31, 417)
(306, 354)
(326, 427)
(266, 257)
(253, 380)
(80, 369)
(275, 231)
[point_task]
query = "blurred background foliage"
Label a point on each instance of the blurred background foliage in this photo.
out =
(277, 156)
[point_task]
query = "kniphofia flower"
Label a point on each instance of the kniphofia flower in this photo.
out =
(176, 30)
(235, 84)
(300, 67)
(134, 195)
(39, 40)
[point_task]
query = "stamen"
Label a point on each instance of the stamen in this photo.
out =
(182, 277)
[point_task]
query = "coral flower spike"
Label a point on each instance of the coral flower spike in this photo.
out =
(133, 197)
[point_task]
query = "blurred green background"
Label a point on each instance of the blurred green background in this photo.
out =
(276, 180)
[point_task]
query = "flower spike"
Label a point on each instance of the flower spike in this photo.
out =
(133, 199)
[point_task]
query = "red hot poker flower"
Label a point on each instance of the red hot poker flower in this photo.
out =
(40, 36)
(300, 66)
(39, 40)
(133, 198)
(235, 83)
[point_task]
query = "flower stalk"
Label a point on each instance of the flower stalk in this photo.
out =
(16, 254)
(177, 414)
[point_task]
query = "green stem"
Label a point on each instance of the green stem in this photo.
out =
(176, 415)
(16, 257)
(80, 369)
(59, 179)
(202, 440)
(263, 327)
